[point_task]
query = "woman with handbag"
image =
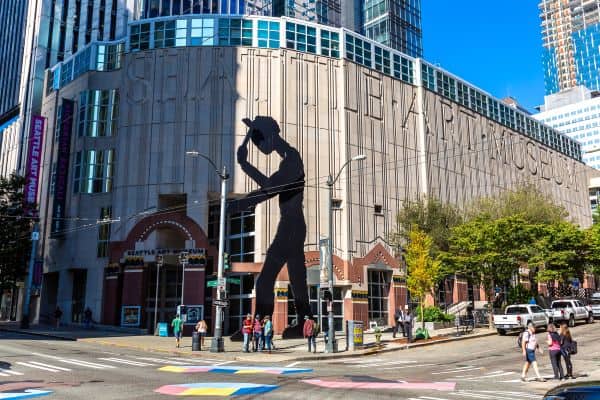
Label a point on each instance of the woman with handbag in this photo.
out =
(566, 347)
(555, 351)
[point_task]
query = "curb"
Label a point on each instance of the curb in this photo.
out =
(33, 333)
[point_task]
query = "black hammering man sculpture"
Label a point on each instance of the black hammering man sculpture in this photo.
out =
(287, 183)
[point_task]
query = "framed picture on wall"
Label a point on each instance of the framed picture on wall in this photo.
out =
(194, 314)
(131, 315)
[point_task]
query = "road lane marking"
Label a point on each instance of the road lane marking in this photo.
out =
(531, 395)
(36, 366)
(293, 364)
(431, 398)
(407, 366)
(484, 396)
(85, 363)
(162, 361)
(453, 370)
(1, 374)
(49, 366)
(127, 362)
(9, 372)
(225, 363)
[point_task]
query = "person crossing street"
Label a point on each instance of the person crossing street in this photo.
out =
(177, 331)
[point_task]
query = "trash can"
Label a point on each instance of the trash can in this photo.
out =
(196, 341)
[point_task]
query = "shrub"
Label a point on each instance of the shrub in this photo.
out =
(435, 314)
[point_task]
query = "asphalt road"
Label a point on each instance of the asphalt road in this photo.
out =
(484, 368)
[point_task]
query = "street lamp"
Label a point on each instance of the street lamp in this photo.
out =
(331, 343)
(216, 345)
(183, 259)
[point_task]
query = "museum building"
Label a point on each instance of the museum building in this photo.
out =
(130, 222)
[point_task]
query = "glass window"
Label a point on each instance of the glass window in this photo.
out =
(104, 232)
(379, 286)
(108, 57)
(98, 113)
(240, 240)
(235, 32)
(93, 171)
(330, 43)
(203, 32)
(164, 34)
(358, 50)
(268, 34)
(140, 37)
(428, 76)
(301, 37)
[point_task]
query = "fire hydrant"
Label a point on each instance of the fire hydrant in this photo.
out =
(377, 336)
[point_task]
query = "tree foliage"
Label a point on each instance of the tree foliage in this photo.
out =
(430, 216)
(15, 231)
(423, 269)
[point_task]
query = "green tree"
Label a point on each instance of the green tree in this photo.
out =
(527, 201)
(562, 251)
(15, 231)
(490, 252)
(423, 269)
(430, 216)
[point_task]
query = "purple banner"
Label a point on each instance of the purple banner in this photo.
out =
(62, 167)
(34, 159)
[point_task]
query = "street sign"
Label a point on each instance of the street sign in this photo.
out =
(35, 235)
(211, 284)
(221, 303)
(221, 281)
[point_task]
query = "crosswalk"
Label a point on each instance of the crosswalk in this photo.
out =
(480, 395)
(467, 373)
(36, 363)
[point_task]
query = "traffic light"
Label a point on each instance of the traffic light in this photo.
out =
(226, 265)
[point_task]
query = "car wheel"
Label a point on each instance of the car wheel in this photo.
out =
(590, 319)
(502, 332)
(571, 321)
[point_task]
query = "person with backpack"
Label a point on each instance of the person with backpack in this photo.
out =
(268, 333)
(247, 332)
(568, 347)
(308, 330)
(553, 341)
(529, 346)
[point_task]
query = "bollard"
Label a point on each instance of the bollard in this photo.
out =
(196, 341)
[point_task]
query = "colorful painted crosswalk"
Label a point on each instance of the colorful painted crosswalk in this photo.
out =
(215, 389)
(378, 385)
(25, 394)
(222, 369)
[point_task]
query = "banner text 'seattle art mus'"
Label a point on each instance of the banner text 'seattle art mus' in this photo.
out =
(287, 183)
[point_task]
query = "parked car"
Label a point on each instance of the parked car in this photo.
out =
(575, 391)
(516, 317)
(595, 304)
(570, 311)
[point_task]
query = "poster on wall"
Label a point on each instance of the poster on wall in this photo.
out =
(34, 158)
(131, 315)
(194, 314)
(62, 167)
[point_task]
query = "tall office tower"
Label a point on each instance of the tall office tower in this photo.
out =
(395, 23)
(157, 8)
(326, 12)
(12, 35)
(571, 36)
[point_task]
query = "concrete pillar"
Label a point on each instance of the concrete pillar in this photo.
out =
(65, 295)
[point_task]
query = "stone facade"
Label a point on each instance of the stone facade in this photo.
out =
(176, 100)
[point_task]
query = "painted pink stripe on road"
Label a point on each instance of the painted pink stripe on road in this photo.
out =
(172, 390)
(443, 386)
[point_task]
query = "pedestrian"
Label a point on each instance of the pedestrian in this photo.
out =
(566, 343)
(553, 341)
(201, 328)
(408, 325)
(309, 333)
(57, 314)
(268, 333)
(87, 317)
(529, 346)
(399, 322)
(257, 328)
(247, 332)
(177, 325)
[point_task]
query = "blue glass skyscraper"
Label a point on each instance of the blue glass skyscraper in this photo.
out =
(571, 40)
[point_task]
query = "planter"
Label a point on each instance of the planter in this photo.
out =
(432, 326)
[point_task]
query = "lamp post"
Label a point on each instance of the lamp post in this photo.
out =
(216, 345)
(159, 263)
(183, 258)
(331, 343)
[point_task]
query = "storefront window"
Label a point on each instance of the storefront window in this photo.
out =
(240, 300)
(379, 288)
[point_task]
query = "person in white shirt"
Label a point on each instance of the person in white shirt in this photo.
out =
(529, 345)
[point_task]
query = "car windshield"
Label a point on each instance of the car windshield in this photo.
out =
(560, 304)
(516, 310)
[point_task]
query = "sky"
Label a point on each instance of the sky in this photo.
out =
(493, 44)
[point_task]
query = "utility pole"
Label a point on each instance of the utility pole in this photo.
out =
(217, 345)
(35, 237)
(183, 258)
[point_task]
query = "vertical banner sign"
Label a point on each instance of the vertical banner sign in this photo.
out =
(38, 272)
(62, 166)
(34, 158)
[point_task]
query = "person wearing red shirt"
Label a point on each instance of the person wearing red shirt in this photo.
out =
(247, 332)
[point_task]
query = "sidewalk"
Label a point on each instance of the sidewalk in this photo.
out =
(287, 350)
